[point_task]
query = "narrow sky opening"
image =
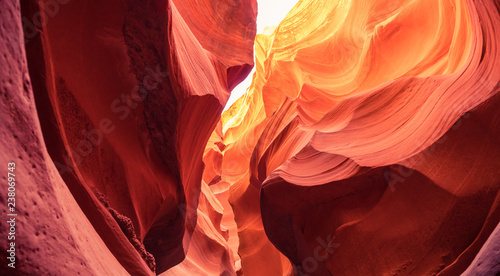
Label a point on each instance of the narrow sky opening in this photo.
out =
(270, 13)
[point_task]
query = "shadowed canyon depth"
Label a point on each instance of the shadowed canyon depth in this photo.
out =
(368, 142)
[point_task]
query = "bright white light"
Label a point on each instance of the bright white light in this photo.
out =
(270, 14)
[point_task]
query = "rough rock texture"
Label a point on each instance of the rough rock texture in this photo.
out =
(127, 94)
(53, 233)
(367, 144)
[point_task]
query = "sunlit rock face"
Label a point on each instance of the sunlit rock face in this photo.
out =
(367, 144)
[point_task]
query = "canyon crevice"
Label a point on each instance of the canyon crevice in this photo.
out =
(367, 144)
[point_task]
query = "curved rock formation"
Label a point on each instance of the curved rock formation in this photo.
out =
(367, 144)
(367, 137)
(115, 85)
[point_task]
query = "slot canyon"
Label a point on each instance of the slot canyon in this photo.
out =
(368, 142)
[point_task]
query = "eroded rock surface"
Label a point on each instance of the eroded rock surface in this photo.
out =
(368, 142)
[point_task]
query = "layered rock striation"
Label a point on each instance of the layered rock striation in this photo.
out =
(368, 142)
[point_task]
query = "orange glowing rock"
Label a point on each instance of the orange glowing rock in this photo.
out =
(367, 143)
(351, 153)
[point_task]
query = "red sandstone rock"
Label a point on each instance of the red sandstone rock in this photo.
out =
(116, 84)
(368, 140)
(366, 144)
